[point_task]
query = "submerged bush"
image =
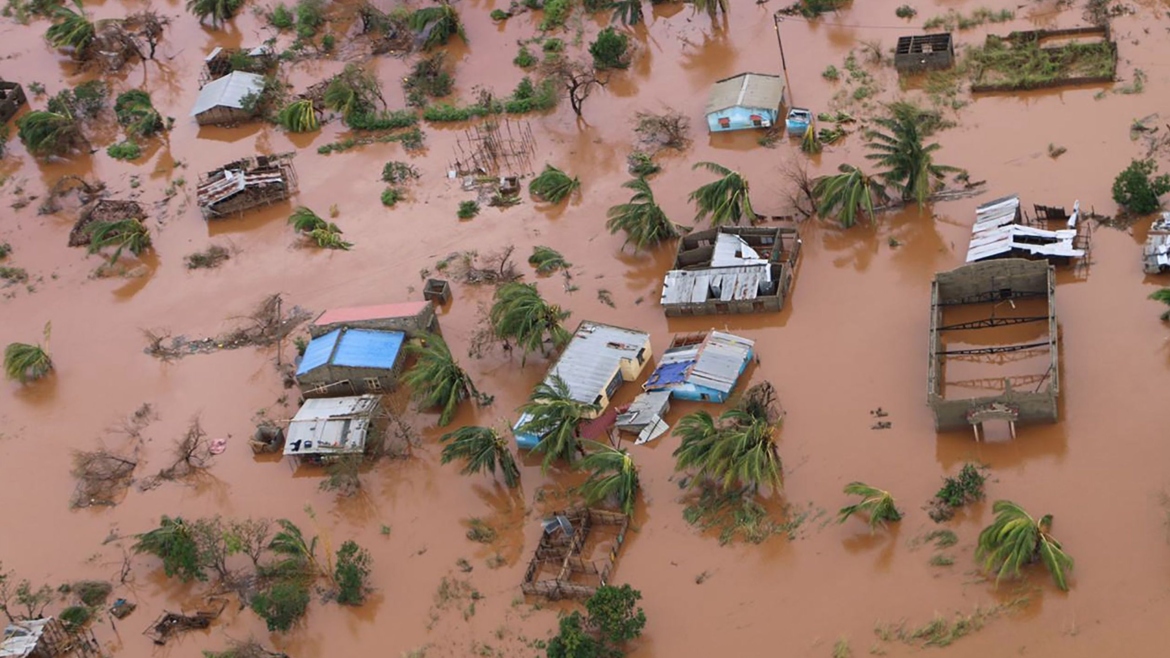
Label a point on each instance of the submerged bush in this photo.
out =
(127, 150)
(468, 209)
(1137, 189)
(553, 185)
(610, 50)
(556, 12)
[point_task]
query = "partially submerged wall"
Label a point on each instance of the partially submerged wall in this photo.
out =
(989, 282)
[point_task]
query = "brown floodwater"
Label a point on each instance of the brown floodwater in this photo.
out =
(852, 338)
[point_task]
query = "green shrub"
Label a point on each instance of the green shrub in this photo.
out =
(391, 196)
(1136, 189)
(353, 567)
(468, 209)
(92, 592)
(525, 59)
(282, 604)
(553, 45)
(75, 616)
(136, 113)
(610, 50)
(398, 172)
(553, 185)
(310, 16)
(905, 11)
(831, 73)
(556, 12)
(500, 15)
(127, 150)
(641, 164)
(381, 120)
(428, 78)
(327, 42)
(281, 18)
(174, 543)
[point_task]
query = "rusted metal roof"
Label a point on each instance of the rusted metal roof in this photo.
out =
(749, 90)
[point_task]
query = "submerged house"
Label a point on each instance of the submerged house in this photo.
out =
(47, 637)
(222, 100)
(224, 61)
(11, 98)
(747, 100)
(246, 183)
(731, 270)
(328, 427)
(924, 52)
(596, 362)
(351, 361)
(1002, 231)
(412, 318)
(1156, 253)
(702, 367)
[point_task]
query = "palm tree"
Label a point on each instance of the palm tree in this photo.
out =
(554, 415)
(739, 448)
(220, 11)
(136, 113)
(437, 24)
(519, 313)
(49, 133)
(1015, 539)
(299, 117)
(482, 448)
(1162, 295)
(726, 200)
(642, 219)
(846, 194)
(341, 96)
(629, 12)
(125, 234)
(553, 185)
(909, 164)
(712, 7)
(72, 29)
(304, 220)
(436, 379)
(298, 555)
(876, 503)
(612, 475)
(25, 362)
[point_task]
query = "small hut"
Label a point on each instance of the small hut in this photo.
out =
(330, 427)
(924, 52)
(103, 210)
(244, 184)
(11, 98)
(222, 101)
(747, 100)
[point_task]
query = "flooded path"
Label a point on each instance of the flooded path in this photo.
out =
(852, 338)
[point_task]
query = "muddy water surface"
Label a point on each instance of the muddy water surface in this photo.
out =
(852, 338)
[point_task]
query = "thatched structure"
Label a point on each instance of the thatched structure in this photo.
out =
(103, 210)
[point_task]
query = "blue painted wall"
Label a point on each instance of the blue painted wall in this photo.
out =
(695, 393)
(740, 117)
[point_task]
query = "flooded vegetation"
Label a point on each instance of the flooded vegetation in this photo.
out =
(535, 170)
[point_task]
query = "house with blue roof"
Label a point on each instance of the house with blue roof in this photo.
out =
(702, 367)
(350, 361)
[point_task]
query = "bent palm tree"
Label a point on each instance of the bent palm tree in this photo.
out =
(219, 11)
(629, 12)
(436, 379)
(738, 449)
(1015, 539)
(909, 164)
(49, 133)
(136, 113)
(519, 313)
(72, 29)
(125, 234)
(482, 448)
(642, 218)
(612, 475)
(875, 503)
(436, 25)
(847, 194)
(1162, 295)
(711, 7)
(25, 362)
(298, 117)
(726, 200)
(342, 96)
(553, 415)
(304, 220)
(553, 185)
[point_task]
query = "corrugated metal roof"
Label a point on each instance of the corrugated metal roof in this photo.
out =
(331, 425)
(367, 348)
(593, 355)
(731, 250)
(996, 233)
(1156, 254)
(21, 638)
(697, 286)
(722, 358)
(318, 352)
(228, 91)
(750, 90)
(383, 311)
(355, 348)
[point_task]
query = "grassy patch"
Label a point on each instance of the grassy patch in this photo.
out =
(467, 209)
(391, 196)
(127, 150)
(527, 97)
(480, 531)
(1025, 65)
(941, 538)
(953, 20)
(12, 275)
(210, 258)
(942, 631)
(736, 514)
(411, 140)
(941, 560)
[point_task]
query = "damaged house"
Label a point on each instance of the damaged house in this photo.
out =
(351, 361)
(47, 638)
(702, 367)
(1156, 252)
(731, 270)
(577, 552)
(329, 427)
(225, 61)
(227, 100)
(244, 184)
(596, 362)
(1002, 230)
(412, 318)
(994, 345)
(11, 98)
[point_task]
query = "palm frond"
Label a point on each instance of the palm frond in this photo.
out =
(1015, 540)
(877, 504)
(643, 220)
(436, 25)
(553, 185)
(49, 133)
(24, 362)
(299, 117)
(304, 220)
(520, 314)
(726, 200)
(483, 449)
(848, 194)
(71, 29)
(553, 415)
(612, 475)
(125, 234)
(435, 379)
